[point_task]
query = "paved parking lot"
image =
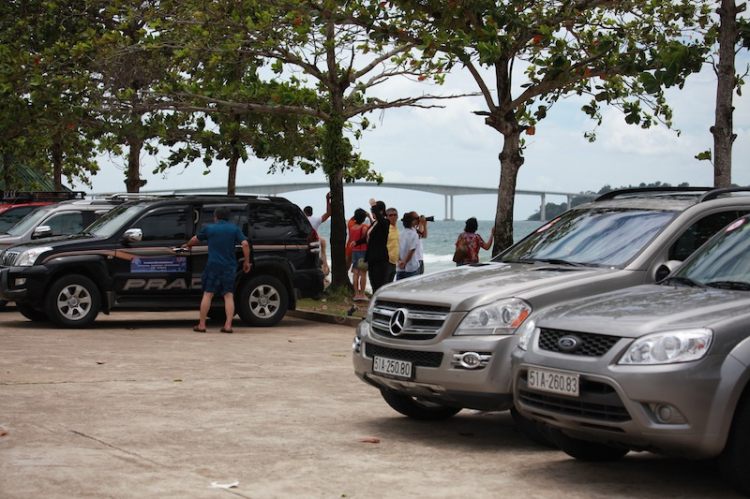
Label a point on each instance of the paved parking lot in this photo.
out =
(140, 406)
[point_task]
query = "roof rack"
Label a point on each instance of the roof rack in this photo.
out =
(10, 197)
(650, 190)
(126, 196)
(715, 193)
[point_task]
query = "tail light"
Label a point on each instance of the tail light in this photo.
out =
(313, 241)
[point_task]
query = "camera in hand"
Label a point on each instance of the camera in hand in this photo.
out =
(429, 219)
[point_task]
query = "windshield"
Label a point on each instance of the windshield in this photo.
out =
(27, 222)
(602, 237)
(724, 261)
(113, 220)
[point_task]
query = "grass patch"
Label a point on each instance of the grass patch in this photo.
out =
(335, 303)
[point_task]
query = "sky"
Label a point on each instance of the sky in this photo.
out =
(453, 146)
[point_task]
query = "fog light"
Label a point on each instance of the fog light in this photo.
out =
(667, 414)
(664, 413)
(356, 345)
(20, 281)
(470, 360)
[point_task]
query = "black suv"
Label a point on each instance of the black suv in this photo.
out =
(131, 258)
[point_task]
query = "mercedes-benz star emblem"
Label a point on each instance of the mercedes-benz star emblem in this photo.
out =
(398, 321)
(569, 343)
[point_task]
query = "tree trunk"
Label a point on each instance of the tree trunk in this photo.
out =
(723, 128)
(57, 161)
(337, 244)
(504, 120)
(510, 163)
(133, 183)
(235, 159)
(232, 177)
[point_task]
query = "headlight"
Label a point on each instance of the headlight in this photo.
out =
(668, 347)
(501, 317)
(28, 257)
(527, 332)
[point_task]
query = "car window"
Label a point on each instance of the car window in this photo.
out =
(274, 221)
(700, 232)
(111, 222)
(604, 236)
(169, 225)
(31, 220)
(65, 223)
(725, 259)
(11, 217)
(237, 216)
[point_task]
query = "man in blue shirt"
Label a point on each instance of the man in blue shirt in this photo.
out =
(221, 268)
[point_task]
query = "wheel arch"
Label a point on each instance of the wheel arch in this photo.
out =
(277, 271)
(92, 268)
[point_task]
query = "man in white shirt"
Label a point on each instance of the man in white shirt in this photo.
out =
(408, 243)
(315, 222)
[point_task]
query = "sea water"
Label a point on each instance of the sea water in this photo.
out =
(441, 240)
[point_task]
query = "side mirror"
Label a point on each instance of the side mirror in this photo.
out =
(665, 269)
(133, 235)
(42, 231)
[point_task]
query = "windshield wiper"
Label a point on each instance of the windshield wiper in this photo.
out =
(557, 261)
(739, 285)
(553, 261)
(685, 281)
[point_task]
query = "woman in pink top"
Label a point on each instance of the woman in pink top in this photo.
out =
(357, 232)
(473, 242)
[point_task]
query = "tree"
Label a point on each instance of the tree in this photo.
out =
(42, 122)
(312, 46)
(617, 52)
(730, 32)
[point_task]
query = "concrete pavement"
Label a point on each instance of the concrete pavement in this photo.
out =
(140, 406)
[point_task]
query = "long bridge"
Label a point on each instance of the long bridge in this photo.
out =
(449, 191)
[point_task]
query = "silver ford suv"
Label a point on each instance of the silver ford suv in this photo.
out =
(435, 344)
(660, 368)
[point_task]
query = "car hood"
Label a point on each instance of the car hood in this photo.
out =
(640, 310)
(56, 241)
(466, 287)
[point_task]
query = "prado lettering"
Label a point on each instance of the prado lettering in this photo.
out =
(161, 284)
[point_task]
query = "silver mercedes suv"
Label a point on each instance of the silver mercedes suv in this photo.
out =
(435, 344)
(660, 368)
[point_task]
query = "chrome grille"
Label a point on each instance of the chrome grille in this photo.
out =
(592, 345)
(420, 359)
(8, 258)
(422, 322)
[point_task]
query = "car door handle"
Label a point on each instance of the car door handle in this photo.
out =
(180, 250)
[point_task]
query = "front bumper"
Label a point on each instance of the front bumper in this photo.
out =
(9, 289)
(438, 374)
(684, 410)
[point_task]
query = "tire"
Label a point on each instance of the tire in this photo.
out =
(73, 302)
(531, 429)
(416, 408)
(31, 313)
(263, 302)
(733, 460)
(3, 304)
(584, 450)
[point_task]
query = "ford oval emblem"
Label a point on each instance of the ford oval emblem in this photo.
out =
(398, 322)
(569, 343)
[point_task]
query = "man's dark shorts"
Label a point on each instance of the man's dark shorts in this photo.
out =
(218, 282)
